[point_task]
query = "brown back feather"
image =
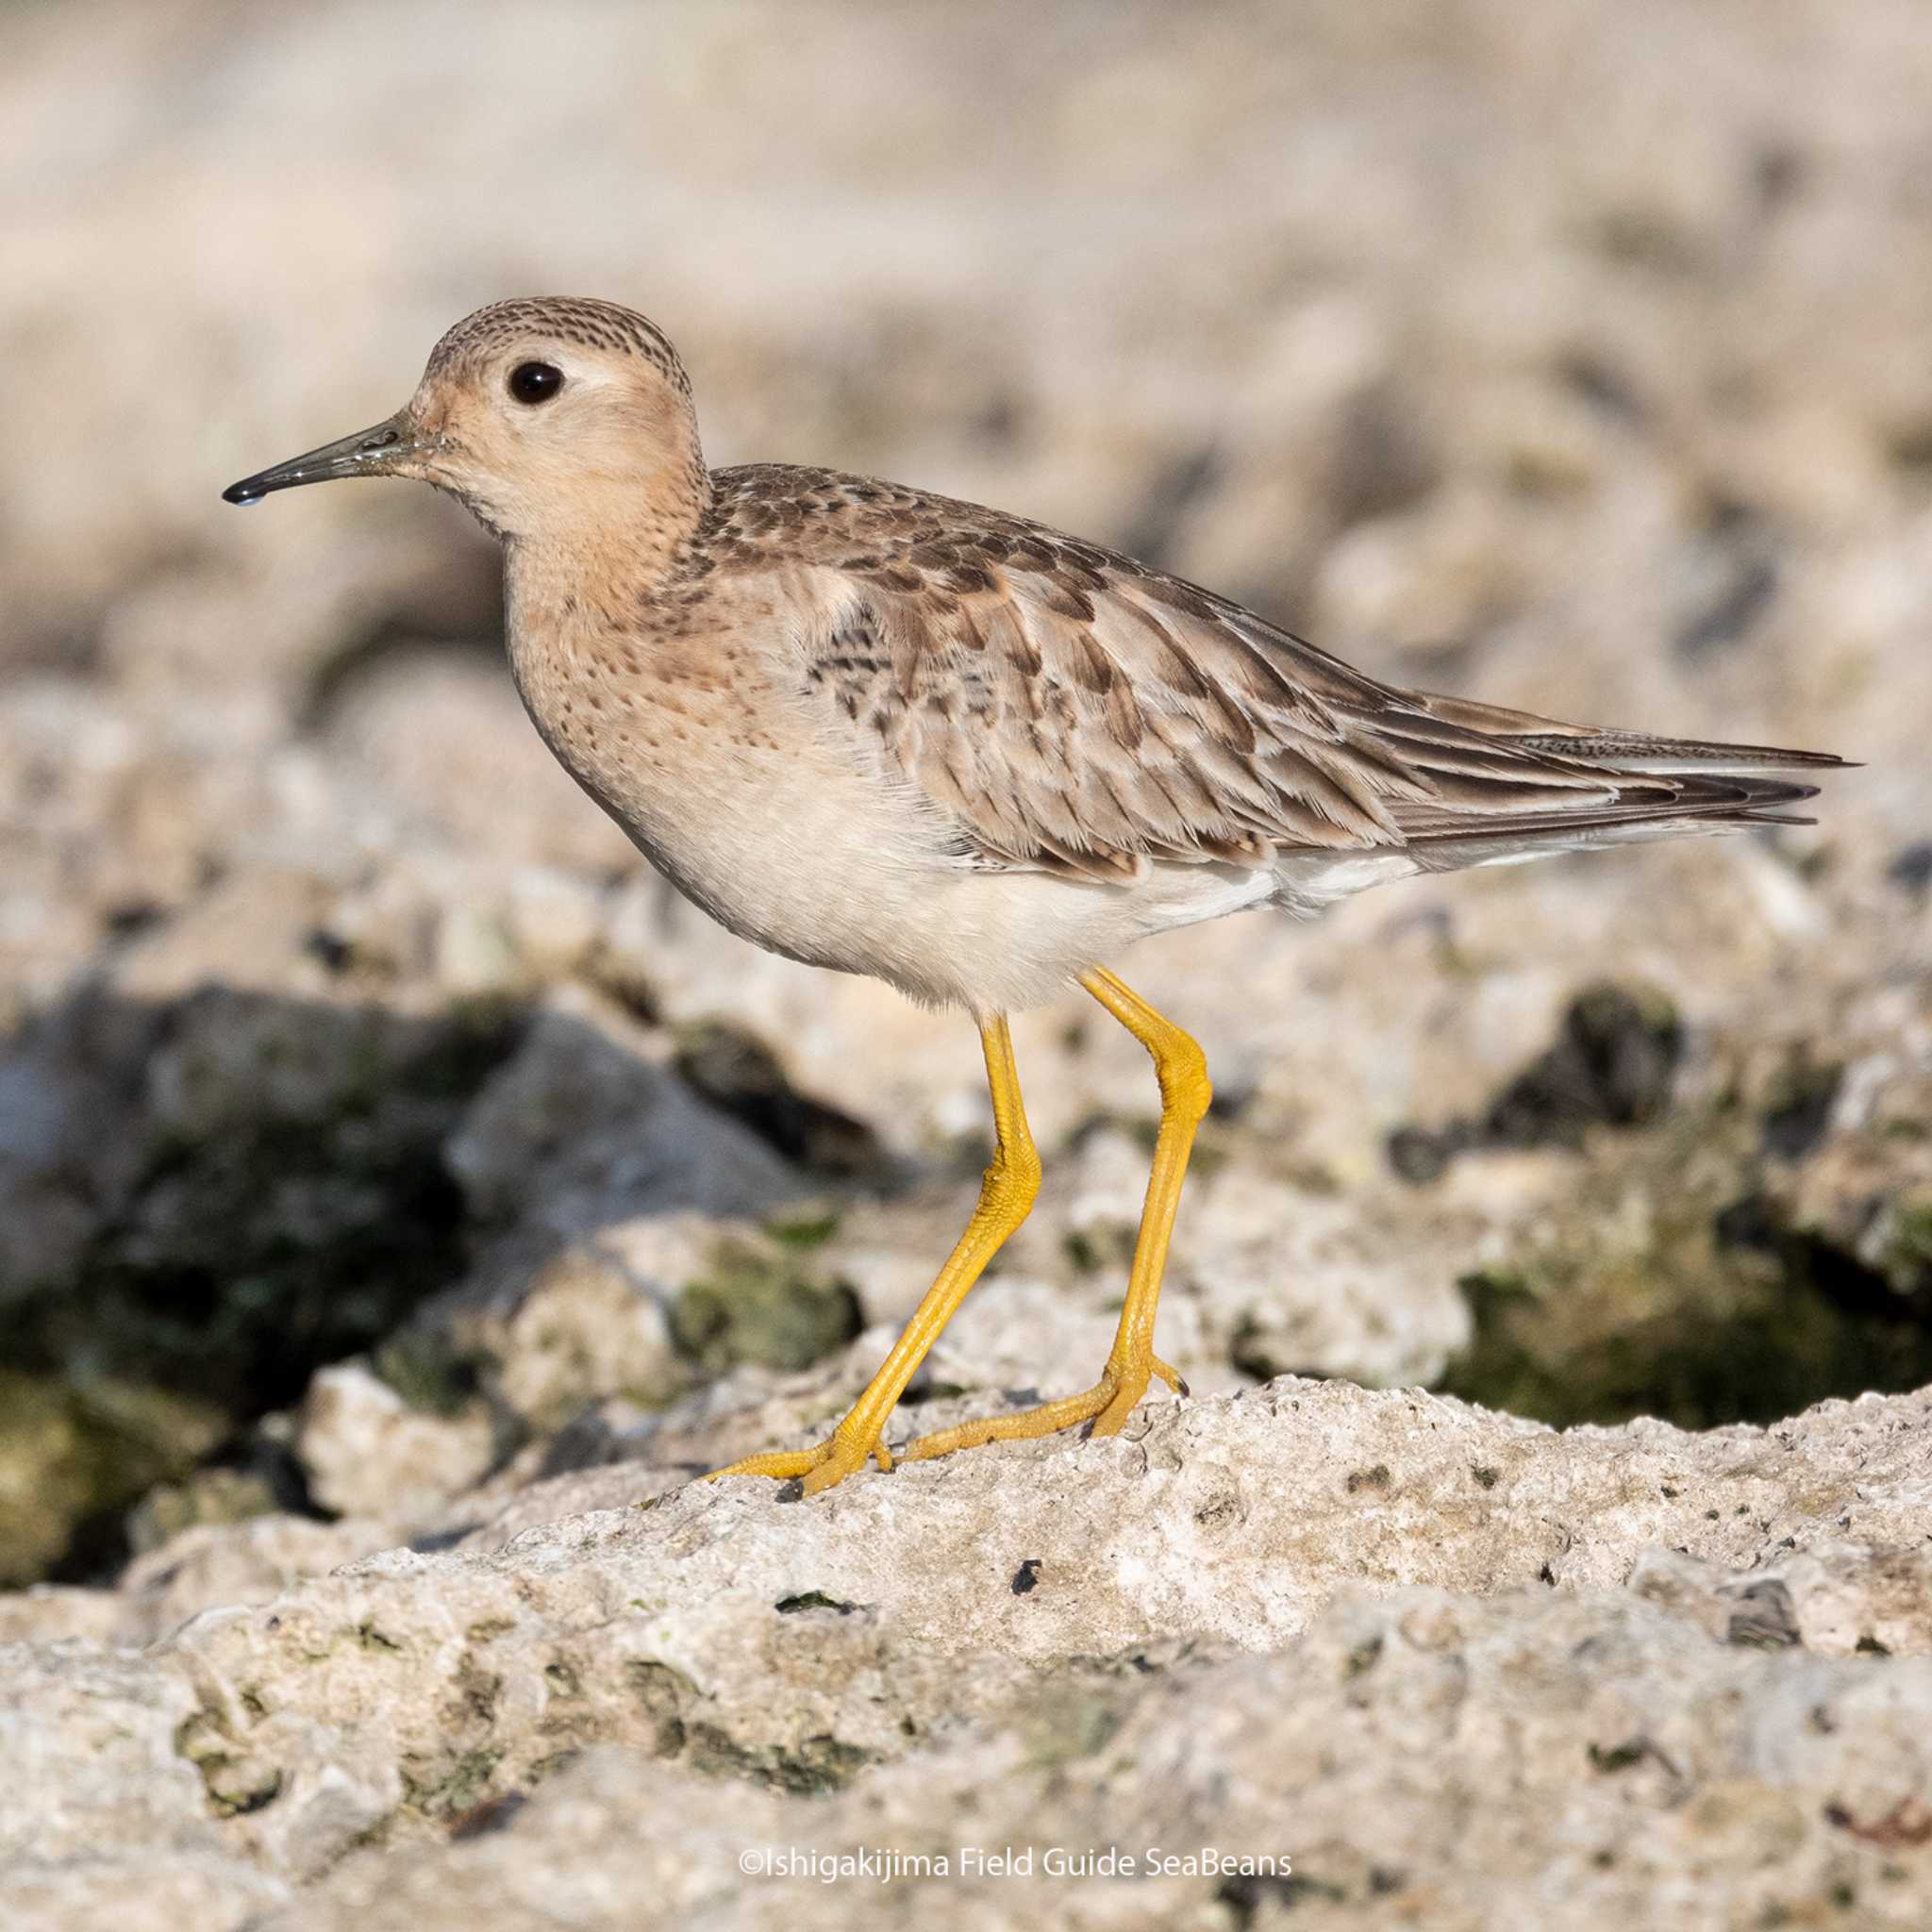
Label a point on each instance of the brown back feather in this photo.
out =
(1074, 712)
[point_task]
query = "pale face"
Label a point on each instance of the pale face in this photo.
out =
(531, 428)
(536, 430)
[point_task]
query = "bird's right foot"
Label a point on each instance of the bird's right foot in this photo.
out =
(821, 1467)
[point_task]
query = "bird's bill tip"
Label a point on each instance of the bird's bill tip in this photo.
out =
(374, 452)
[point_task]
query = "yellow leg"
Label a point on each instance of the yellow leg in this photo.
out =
(1006, 1194)
(1182, 1070)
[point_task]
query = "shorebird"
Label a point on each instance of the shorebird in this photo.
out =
(886, 732)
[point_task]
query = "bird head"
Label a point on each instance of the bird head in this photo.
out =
(539, 414)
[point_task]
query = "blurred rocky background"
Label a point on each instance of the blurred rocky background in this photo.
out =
(387, 1160)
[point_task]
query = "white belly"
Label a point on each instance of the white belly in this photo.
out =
(806, 849)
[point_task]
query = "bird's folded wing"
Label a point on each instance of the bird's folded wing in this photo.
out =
(1076, 713)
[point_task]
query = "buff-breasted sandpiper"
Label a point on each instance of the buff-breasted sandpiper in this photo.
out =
(886, 732)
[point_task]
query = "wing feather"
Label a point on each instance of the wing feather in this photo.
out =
(1074, 711)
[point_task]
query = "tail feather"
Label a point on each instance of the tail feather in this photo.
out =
(1631, 797)
(1630, 751)
(1508, 786)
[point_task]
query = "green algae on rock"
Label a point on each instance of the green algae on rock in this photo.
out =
(1669, 1285)
(74, 1451)
(757, 1305)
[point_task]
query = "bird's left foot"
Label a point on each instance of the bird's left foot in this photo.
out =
(1107, 1404)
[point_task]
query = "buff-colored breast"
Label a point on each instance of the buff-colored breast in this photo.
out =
(696, 732)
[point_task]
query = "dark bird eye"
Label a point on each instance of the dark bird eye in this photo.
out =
(535, 382)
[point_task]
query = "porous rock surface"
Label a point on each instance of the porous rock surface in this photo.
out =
(1449, 1661)
(400, 1189)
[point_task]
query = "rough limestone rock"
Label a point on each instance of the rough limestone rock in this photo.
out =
(367, 1453)
(1424, 1758)
(1428, 1654)
(89, 1737)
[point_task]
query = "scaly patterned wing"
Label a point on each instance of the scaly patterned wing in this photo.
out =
(1076, 712)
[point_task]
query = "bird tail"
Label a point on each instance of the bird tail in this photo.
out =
(1649, 787)
(1562, 788)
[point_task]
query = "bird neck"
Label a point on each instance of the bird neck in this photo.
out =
(628, 539)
